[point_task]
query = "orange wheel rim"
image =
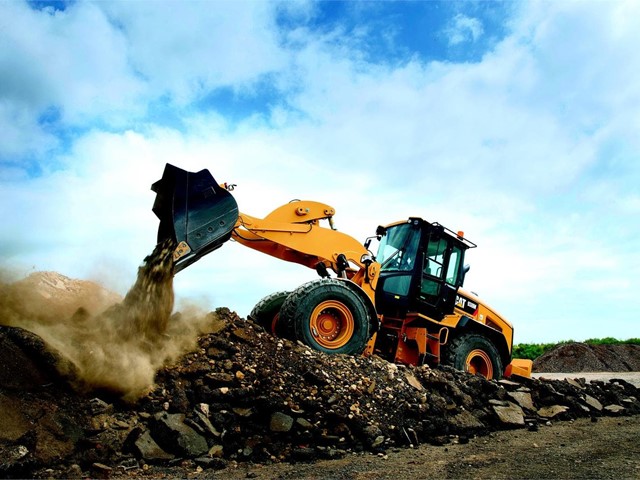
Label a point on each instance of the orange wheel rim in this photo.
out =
(479, 363)
(332, 324)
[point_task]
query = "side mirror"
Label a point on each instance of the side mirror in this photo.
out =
(465, 269)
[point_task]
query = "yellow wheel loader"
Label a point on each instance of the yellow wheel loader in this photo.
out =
(406, 303)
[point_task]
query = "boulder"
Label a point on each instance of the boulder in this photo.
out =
(171, 433)
(510, 415)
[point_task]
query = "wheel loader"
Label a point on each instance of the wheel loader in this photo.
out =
(405, 303)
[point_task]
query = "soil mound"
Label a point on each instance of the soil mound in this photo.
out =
(242, 395)
(580, 357)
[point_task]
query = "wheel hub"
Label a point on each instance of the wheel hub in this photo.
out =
(332, 324)
(329, 325)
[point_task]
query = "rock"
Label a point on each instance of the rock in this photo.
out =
(120, 425)
(508, 384)
(466, 421)
(98, 423)
(173, 435)
(304, 423)
(510, 415)
(147, 449)
(74, 471)
(216, 451)
(280, 422)
(206, 424)
(220, 378)
(379, 440)
(523, 399)
(614, 409)
(593, 403)
(372, 432)
(99, 406)
(208, 462)
(304, 454)
(101, 468)
(244, 334)
(243, 412)
(574, 383)
(413, 381)
(552, 411)
(216, 324)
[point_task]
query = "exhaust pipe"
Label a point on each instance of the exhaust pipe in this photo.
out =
(195, 211)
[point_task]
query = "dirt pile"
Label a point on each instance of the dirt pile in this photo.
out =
(244, 396)
(580, 357)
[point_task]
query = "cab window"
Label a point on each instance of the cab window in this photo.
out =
(454, 266)
(434, 261)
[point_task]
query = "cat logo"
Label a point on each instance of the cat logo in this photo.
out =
(467, 305)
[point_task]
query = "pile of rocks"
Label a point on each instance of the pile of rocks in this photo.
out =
(581, 357)
(246, 396)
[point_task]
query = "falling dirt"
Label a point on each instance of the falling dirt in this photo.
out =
(121, 348)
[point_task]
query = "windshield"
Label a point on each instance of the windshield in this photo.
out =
(398, 248)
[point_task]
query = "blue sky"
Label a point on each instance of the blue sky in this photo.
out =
(516, 122)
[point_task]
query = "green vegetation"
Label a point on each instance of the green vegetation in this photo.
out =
(534, 350)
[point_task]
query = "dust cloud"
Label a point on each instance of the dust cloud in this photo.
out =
(121, 348)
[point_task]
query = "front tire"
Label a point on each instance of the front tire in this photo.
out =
(327, 315)
(475, 354)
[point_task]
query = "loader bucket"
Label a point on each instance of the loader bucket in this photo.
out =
(195, 211)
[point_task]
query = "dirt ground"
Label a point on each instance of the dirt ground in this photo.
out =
(580, 449)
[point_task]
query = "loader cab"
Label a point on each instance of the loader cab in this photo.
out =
(422, 267)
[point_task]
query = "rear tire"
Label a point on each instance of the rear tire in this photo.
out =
(266, 313)
(476, 354)
(328, 316)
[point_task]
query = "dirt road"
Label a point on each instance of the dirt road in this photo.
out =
(606, 449)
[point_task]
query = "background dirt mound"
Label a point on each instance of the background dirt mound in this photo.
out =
(50, 296)
(580, 357)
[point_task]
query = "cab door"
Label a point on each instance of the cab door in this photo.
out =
(440, 275)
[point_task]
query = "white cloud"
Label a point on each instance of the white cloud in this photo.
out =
(187, 51)
(464, 29)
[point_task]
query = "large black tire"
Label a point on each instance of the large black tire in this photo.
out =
(266, 312)
(328, 316)
(474, 353)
